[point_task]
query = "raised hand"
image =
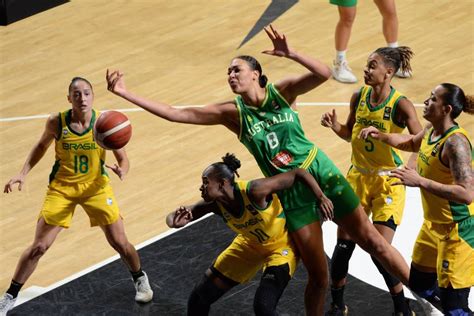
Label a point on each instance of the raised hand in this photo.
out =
(280, 45)
(328, 119)
(20, 179)
(115, 82)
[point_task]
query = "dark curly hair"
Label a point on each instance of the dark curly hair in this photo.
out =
(397, 57)
(227, 168)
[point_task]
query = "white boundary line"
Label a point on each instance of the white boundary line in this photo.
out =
(302, 104)
(34, 291)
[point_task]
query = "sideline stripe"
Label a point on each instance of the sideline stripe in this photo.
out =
(34, 291)
(42, 116)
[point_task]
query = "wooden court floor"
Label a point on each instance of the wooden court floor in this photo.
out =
(178, 52)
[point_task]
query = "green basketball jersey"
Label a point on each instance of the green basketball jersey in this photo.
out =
(273, 134)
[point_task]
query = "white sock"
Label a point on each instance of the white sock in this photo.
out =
(393, 45)
(340, 56)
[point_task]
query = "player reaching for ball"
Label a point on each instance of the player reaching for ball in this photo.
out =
(78, 176)
(254, 212)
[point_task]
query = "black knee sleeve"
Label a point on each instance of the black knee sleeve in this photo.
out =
(340, 258)
(272, 285)
(390, 280)
(425, 285)
(203, 295)
(455, 300)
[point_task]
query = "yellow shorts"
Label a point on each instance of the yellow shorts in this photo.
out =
(96, 198)
(440, 247)
(242, 259)
(378, 196)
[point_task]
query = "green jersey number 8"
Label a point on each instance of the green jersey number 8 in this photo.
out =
(272, 140)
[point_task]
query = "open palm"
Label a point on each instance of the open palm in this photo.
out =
(280, 45)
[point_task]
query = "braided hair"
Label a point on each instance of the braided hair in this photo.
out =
(255, 65)
(459, 101)
(227, 168)
(397, 57)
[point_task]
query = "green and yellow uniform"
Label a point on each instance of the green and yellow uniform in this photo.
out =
(372, 159)
(274, 136)
(262, 239)
(446, 239)
(78, 177)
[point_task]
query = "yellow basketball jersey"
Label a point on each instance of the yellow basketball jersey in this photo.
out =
(430, 166)
(262, 226)
(372, 154)
(78, 157)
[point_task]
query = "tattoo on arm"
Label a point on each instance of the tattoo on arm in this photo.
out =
(458, 152)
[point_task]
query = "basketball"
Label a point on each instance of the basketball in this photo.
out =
(112, 130)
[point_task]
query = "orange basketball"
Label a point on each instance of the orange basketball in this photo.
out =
(112, 130)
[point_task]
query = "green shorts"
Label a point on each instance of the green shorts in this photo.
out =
(344, 3)
(300, 204)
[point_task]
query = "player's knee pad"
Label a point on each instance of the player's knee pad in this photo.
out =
(455, 301)
(390, 280)
(203, 295)
(425, 285)
(272, 285)
(340, 258)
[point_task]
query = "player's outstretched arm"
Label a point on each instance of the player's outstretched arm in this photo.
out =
(186, 214)
(291, 87)
(36, 153)
(224, 113)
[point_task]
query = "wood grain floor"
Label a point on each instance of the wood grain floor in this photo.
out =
(178, 52)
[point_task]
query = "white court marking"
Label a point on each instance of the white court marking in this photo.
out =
(42, 116)
(360, 266)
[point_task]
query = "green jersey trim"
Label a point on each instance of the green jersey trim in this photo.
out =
(458, 211)
(60, 128)
(258, 208)
(396, 158)
(54, 170)
(466, 231)
(282, 98)
(68, 123)
(381, 105)
(394, 111)
(430, 142)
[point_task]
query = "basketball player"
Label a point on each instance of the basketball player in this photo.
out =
(253, 211)
(443, 255)
(77, 177)
(347, 13)
(376, 104)
(264, 118)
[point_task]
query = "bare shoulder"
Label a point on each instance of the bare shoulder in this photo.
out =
(52, 123)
